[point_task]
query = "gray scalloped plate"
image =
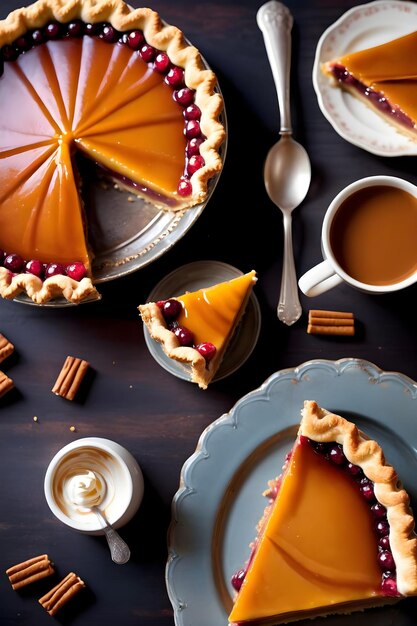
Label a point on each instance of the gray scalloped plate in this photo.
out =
(219, 502)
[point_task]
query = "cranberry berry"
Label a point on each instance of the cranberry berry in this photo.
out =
(184, 336)
(207, 350)
(162, 62)
(34, 267)
(192, 129)
(192, 112)
(75, 28)
(175, 77)
(147, 53)
(53, 30)
(171, 309)
(184, 96)
(109, 34)
(193, 146)
(53, 269)
(185, 188)
(237, 579)
(135, 39)
(76, 270)
(195, 163)
(13, 262)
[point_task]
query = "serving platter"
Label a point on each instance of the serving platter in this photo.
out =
(359, 28)
(219, 500)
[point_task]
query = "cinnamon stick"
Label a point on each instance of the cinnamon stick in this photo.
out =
(6, 348)
(6, 384)
(29, 571)
(59, 595)
(331, 322)
(70, 377)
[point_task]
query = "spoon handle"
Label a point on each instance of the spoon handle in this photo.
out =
(275, 21)
(119, 550)
(289, 308)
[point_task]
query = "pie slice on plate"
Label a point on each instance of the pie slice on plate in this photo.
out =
(99, 80)
(196, 328)
(338, 533)
(385, 78)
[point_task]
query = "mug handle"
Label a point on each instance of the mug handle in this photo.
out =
(319, 279)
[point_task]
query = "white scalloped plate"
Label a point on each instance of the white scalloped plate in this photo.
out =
(219, 502)
(362, 27)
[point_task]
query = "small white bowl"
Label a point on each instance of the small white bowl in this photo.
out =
(122, 476)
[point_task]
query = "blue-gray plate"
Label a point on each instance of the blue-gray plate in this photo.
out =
(219, 501)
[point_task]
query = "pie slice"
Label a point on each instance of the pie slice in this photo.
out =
(385, 78)
(116, 85)
(338, 534)
(196, 327)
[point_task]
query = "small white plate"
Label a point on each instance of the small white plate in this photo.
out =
(192, 277)
(362, 27)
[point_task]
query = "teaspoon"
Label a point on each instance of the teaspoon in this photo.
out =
(119, 550)
(287, 170)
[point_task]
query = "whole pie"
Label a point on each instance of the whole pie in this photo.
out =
(385, 78)
(196, 328)
(338, 533)
(95, 80)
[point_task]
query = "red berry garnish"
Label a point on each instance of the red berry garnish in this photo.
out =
(76, 271)
(184, 188)
(147, 53)
(75, 28)
(384, 542)
(92, 29)
(9, 52)
(175, 76)
(109, 34)
(184, 336)
(207, 350)
(38, 37)
(378, 511)
(354, 470)
(160, 304)
(336, 454)
(135, 39)
(367, 489)
(193, 146)
(184, 96)
(13, 262)
(162, 62)
(53, 30)
(389, 586)
(23, 43)
(237, 579)
(195, 163)
(53, 269)
(192, 129)
(192, 112)
(386, 560)
(34, 267)
(382, 528)
(171, 310)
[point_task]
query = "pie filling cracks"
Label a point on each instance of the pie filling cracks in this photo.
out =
(118, 86)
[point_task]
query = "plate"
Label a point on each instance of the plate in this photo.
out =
(362, 27)
(219, 501)
(195, 276)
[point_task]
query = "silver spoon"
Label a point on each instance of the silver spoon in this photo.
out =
(287, 170)
(119, 550)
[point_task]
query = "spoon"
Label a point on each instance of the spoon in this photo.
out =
(119, 550)
(287, 170)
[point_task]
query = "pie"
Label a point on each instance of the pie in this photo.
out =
(337, 535)
(196, 328)
(385, 78)
(93, 80)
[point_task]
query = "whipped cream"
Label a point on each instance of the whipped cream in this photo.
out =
(86, 488)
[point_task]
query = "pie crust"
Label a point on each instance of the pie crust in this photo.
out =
(162, 37)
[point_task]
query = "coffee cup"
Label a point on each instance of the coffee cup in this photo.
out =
(368, 238)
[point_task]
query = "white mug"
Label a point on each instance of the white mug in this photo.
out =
(329, 273)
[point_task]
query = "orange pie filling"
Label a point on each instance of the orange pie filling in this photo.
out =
(88, 88)
(323, 543)
(384, 77)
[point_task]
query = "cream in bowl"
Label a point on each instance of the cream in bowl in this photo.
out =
(93, 472)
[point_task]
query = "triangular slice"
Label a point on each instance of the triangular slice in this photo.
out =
(196, 327)
(385, 78)
(338, 534)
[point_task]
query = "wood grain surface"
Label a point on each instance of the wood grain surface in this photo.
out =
(126, 395)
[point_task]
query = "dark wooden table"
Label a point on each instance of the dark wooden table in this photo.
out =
(132, 400)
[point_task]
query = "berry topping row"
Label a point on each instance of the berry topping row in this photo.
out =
(333, 452)
(15, 264)
(171, 310)
(157, 59)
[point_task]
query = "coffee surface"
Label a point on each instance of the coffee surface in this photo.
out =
(373, 235)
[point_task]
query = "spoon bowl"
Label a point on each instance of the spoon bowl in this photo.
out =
(287, 170)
